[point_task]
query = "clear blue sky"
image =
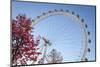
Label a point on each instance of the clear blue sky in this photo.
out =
(62, 31)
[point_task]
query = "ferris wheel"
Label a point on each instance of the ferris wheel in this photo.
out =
(46, 25)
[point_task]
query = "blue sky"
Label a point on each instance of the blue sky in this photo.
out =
(63, 31)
